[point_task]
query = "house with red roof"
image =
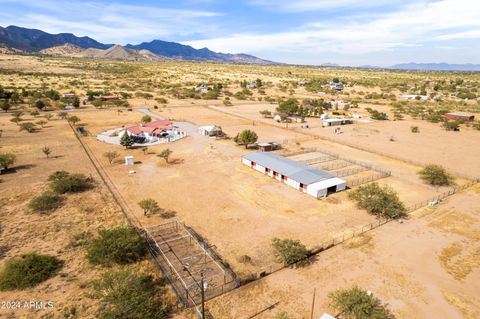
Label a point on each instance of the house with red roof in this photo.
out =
(155, 131)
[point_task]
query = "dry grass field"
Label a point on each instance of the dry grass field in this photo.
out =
(425, 267)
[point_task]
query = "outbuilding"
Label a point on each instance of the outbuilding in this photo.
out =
(267, 147)
(459, 116)
(210, 130)
(333, 122)
(314, 182)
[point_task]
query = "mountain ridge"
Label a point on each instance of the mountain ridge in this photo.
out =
(38, 41)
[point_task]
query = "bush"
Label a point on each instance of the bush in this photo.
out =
(356, 303)
(127, 294)
(63, 182)
(7, 160)
(120, 245)
(377, 200)
(435, 175)
(288, 251)
(46, 202)
(415, 129)
(28, 271)
(451, 125)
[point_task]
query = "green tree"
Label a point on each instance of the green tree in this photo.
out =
(120, 245)
(28, 271)
(126, 140)
(39, 104)
(7, 160)
(246, 138)
(63, 182)
(146, 119)
(379, 201)
(76, 102)
(289, 106)
(127, 293)
(288, 251)
(149, 206)
(266, 113)
(73, 119)
(356, 303)
(165, 154)
(5, 105)
(435, 175)
(63, 115)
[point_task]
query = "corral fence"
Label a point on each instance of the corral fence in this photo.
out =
(188, 262)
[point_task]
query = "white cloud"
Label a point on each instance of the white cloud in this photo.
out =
(414, 25)
(310, 5)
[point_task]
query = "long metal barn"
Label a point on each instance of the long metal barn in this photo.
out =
(314, 182)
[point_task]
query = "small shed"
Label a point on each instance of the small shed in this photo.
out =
(129, 160)
(267, 147)
(210, 130)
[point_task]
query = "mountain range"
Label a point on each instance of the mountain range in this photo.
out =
(67, 44)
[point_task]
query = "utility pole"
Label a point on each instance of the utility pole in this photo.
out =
(202, 289)
(313, 302)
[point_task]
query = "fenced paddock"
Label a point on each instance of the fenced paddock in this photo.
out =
(185, 258)
(353, 172)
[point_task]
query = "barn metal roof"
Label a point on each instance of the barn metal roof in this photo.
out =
(294, 170)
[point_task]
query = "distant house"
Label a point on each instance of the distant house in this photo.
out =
(108, 97)
(459, 116)
(341, 104)
(337, 86)
(201, 88)
(210, 130)
(334, 122)
(414, 97)
(153, 131)
(69, 96)
(252, 86)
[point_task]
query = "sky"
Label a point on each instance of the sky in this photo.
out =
(345, 32)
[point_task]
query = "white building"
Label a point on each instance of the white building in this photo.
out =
(210, 130)
(334, 122)
(306, 179)
(414, 97)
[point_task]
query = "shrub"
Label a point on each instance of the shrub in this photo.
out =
(435, 175)
(63, 182)
(356, 303)
(377, 200)
(28, 271)
(288, 251)
(415, 129)
(451, 125)
(149, 206)
(127, 294)
(28, 126)
(7, 160)
(146, 119)
(120, 245)
(246, 137)
(46, 202)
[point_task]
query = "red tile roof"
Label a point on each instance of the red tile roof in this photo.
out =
(152, 127)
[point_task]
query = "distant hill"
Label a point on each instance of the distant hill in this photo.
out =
(179, 51)
(32, 40)
(436, 67)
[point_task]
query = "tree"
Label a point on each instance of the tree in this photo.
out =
(7, 160)
(435, 175)
(246, 138)
(146, 119)
(379, 201)
(126, 140)
(63, 182)
(288, 251)
(165, 154)
(111, 156)
(63, 115)
(47, 151)
(39, 104)
(5, 105)
(76, 102)
(289, 106)
(144, 150)
(28, 126)
(73, 119)
(126, 293)
(28, 271)
(149, 206)
(356, 303)
(119, 245)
